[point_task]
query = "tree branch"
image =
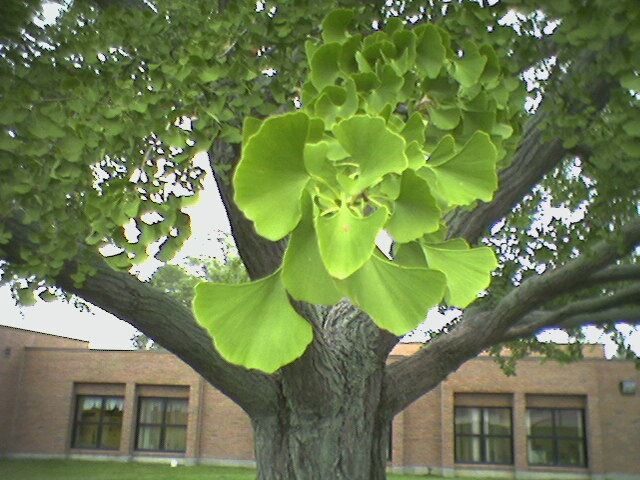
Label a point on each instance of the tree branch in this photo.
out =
(260, 256)
(164, 319)
(617, 273)
(534, 158)
(408, 379)
(578, 313)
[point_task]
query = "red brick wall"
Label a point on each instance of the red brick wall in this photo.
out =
(39, 386)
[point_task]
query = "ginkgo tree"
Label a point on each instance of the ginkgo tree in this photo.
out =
(347, 167)
(448, 127)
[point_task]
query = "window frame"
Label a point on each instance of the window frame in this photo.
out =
(554, 437)
(163, 424)
(101, 421)
(482, 436)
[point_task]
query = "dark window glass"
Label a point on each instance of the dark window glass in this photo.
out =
(468, 449)
(98, 422)
(162, 424)
(556, 437)
(390, 443)
(483, 435)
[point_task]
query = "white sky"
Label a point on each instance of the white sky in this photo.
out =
(103, 330)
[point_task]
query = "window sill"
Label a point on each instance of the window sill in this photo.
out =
(158, 453)
(492, 466)
(94, 451)
(557, 468)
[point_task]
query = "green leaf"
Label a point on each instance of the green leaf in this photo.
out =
(337, 103)
(271, 175)
(397, 298)
(468, 270)
(416, 212)
(415, 155)
(9, 143)
(303, 273)
(47, 296)
(319, 167)
(443, 152)
(252, 324)
(632, 128)
(71, 148)
(409, 254)
(445, 118)
(430, 50)
(336, 24)
(414, 129)
(250, 126)
(387, 94)
(324, 65)
(469, 175)
(26, 297)
(175, 137)
(373, 147)
(211, 74)
(469, 68)
(630, 82)
(41, 127)
(121, 261)
(347, 241)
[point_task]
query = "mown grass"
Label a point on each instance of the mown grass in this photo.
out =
(81, 470)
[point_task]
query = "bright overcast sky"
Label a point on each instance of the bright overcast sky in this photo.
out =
(103, 330)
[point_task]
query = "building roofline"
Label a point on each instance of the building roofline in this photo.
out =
(44, 333)
(95, 350)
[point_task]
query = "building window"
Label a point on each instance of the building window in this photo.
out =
(390, 443)
(98, 422)
(483, 435)
(162, 424)
(556, 437)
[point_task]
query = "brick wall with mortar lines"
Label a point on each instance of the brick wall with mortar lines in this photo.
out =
(51, 377)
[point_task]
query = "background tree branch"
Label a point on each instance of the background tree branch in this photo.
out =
(409, 378)
(536, 156)
(162, 319)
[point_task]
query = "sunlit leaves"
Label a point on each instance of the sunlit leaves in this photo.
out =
(252, 324)
(374, 149)
(416, 212)
(303, 273)
(468, 270)
(347, 240)
(335, 25)
(324, 65)
(271, 175)
(430, 50)
(397, 298)
(468, 175)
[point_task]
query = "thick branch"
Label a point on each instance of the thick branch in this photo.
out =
(534, 158)
(163, 319)
(260, 256)
(539, 290)
(410, 378)
(624, 314)
(575, 312)
(616, 273)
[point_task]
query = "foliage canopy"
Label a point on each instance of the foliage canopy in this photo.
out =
(395, 116)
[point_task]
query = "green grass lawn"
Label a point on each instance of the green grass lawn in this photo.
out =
(80, 470)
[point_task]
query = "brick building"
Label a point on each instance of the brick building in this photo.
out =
(58, 398)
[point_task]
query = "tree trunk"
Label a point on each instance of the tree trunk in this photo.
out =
(329, 423)
(348, 441)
